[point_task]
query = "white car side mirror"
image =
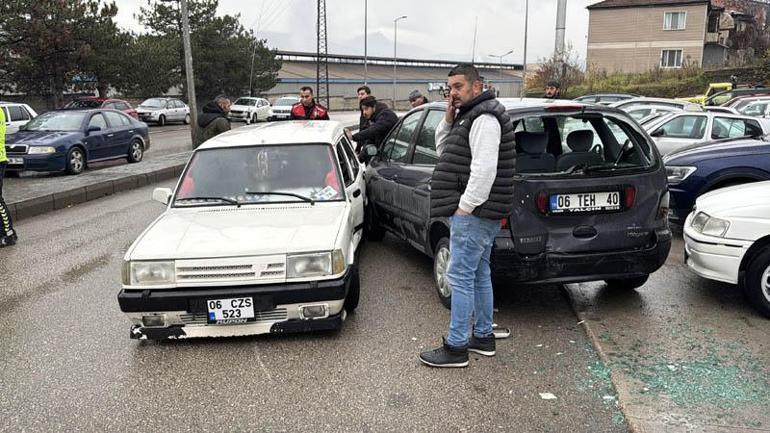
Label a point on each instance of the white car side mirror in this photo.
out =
(162, 195)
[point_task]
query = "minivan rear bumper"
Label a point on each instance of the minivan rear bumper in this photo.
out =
(553, 267)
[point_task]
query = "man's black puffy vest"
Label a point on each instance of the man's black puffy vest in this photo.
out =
(450, 177)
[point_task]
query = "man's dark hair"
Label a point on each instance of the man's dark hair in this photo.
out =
(365, 89)
(369, 101)
(306, 89)
(467, 70)
(553, 83)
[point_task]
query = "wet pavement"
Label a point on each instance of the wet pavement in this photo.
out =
(69, 365)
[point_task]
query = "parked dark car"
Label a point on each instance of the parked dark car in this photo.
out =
(726, 96)
(590, 198)
(88, 102)
(605, 98)
(695, 170)
(71, 139)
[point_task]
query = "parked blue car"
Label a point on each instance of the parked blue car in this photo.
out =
(69, 140)
(697, 169)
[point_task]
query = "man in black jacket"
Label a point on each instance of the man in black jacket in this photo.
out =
(381, 121)
(213, 121)
(363, 92)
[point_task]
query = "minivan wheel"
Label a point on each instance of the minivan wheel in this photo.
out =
(135, 151)
(354, 291)
(627, 283)
(373, 231)
(756, 284)
(162, 120)
(440, 266)
(76, 161)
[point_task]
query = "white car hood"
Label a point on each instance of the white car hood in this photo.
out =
(748, 201)
(242, 107)
(215, 232)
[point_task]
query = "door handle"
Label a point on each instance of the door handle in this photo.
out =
(110, 135)
(357, 193)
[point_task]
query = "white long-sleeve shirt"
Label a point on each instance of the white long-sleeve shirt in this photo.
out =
(484, 140)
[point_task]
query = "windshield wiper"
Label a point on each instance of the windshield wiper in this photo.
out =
(287, 194)
(224, 199)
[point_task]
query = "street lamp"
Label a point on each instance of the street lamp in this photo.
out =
(500, 72)
(395, 41)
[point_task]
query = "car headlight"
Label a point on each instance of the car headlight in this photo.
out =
(315, 264)
(149, 273)
(41, 150)
(711, 226)
(677, 174)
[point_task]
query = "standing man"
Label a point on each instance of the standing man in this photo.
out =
(213, 121)
(363, 92)
(306, 108)
(552, 90)
(8, 236)
(472, 185)
(381, 120)
(416, 99)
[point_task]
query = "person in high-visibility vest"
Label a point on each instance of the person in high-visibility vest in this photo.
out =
(8, 235)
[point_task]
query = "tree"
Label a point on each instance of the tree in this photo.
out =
(222, 49)
(564, 68)
(154, 66)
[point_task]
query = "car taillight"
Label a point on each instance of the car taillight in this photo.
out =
(542, 202)
(630, 196)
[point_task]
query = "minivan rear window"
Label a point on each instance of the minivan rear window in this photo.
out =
(578, 144)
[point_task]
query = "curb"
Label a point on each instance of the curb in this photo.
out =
(64, 199)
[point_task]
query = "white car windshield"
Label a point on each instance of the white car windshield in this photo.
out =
(154, 103)
(246, 102)
(261, 174)
(285, 101)
(57, 121)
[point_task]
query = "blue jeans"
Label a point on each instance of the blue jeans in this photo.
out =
(469, 275)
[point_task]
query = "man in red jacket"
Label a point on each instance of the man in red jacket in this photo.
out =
(307, 109)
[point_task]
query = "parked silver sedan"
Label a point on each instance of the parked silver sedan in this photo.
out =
(163, 110)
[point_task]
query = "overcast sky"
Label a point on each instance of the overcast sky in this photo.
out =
(434, 29)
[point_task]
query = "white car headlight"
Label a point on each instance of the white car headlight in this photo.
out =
(149, 273)
(315, 264)
(711, 226)
(41, 150)
(677, 174)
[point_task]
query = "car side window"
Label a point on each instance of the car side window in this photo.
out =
(122, 106)
(397, 145)
(570, 125)
(351, 156)
(179, 104)
(344, 165)
(116, 120)
(98, 121)
(684, 127)
(425, 148)
(17, 113)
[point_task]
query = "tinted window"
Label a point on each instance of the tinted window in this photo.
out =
(122, 106)
(344, 164)
(425, 148)
(17, 113)
(755, 109)
(97, 120)
(351, 156)
(116, 119)
(731, 128)
(684, 127)
(397, 145)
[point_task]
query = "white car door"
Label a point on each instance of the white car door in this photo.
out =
(264, 109)
(352, 175)
(16, 116)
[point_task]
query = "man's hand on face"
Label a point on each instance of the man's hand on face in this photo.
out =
(450, 109)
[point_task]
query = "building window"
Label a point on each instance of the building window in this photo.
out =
(674, 20)
(671, 59)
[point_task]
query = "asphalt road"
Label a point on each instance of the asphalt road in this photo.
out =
(68, 363)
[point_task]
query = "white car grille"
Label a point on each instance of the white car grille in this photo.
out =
(275, 315)
(236, 270)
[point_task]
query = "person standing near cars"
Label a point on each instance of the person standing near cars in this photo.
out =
(362, 93)
(552, 90)
(213, 121)
(381, 120)
(8, 235)
(472, 185)
(416, 99)
(307, 108)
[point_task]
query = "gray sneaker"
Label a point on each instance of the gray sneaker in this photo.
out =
(445, 356)
(482, 345)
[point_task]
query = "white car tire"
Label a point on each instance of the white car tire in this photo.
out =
(756, 285)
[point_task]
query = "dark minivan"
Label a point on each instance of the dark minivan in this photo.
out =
(590, 201)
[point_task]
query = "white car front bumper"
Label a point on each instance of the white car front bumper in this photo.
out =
(713, 257)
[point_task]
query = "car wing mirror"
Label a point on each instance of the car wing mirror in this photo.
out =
(162, 195)
(658, 133)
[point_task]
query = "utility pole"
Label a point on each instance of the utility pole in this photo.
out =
(366, 23)
(500, 72)
(524, 71)
(322, 57)
(395, 44)
(188, 66)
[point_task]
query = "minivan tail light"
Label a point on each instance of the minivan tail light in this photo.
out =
(542, 202)
(564, 107)
(630, 196)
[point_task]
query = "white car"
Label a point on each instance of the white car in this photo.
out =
(727, 238)
(16, 115)
(644, 111)
(643, 100)
(759, 109)
(260, 236)
(250, 110)
(282, 108)
(163, 110)
(680, 129)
